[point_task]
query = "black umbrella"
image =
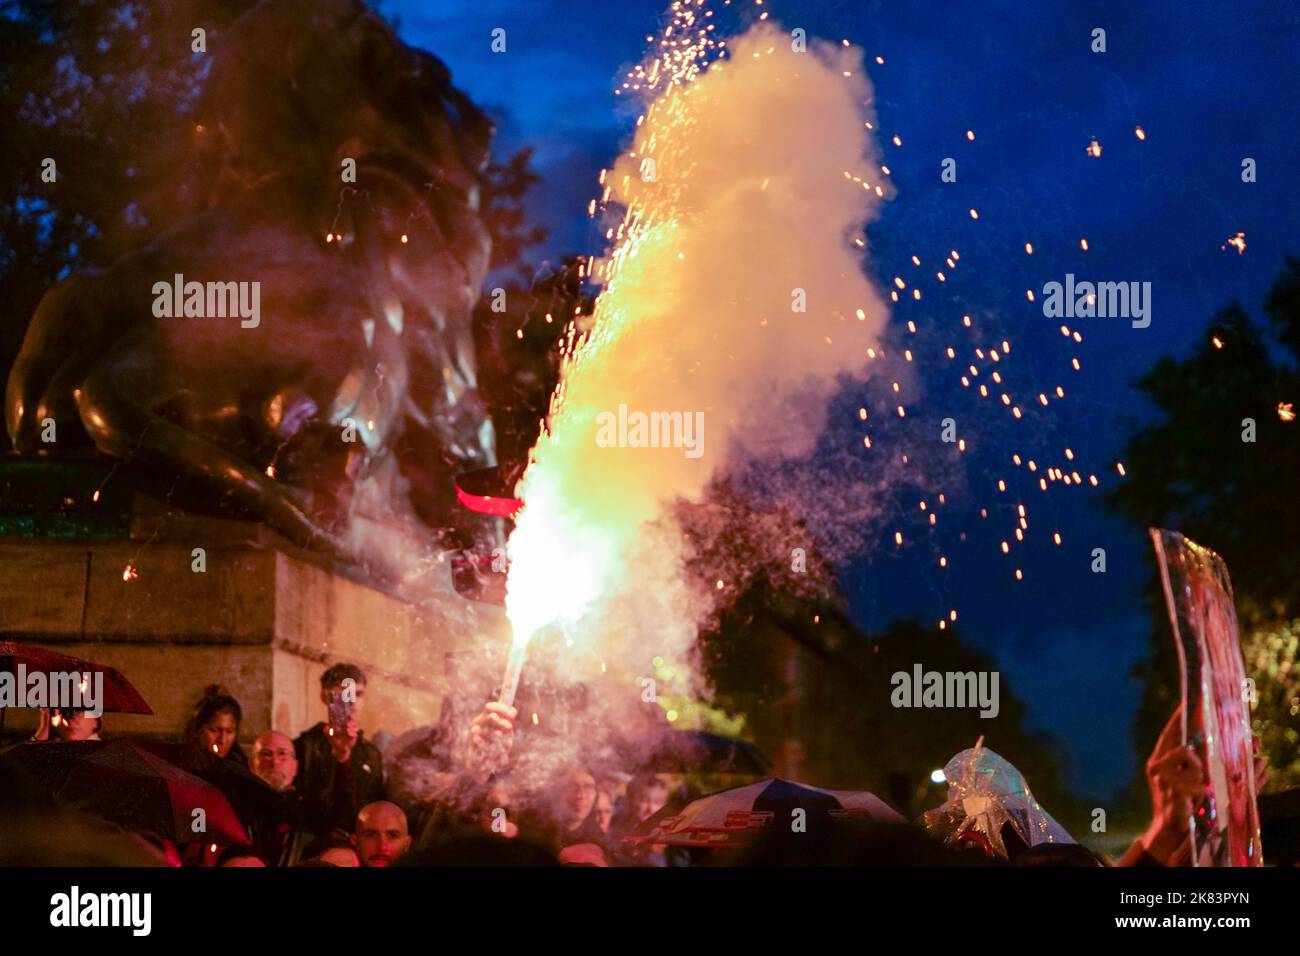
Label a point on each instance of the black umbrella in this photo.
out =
(252, 797)
(127, 785)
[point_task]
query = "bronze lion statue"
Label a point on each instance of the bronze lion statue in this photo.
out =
(299, 350)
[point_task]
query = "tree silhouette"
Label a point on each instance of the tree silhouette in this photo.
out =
(106, 90)
(1195, 470)
(800, 671)
(504, 186)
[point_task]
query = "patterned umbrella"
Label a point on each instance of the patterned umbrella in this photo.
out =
(735, 816)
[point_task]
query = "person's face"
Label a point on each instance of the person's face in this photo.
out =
(340, 856)
(74, 726)
(577, 797)
(647, 801)
(274, 760)
(604, 811)
(218, 734)
(381, 834)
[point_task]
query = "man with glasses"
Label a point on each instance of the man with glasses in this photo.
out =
(280, 837)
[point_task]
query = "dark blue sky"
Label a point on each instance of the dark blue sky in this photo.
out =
(1210, 83)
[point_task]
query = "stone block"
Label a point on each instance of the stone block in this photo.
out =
(262, 620)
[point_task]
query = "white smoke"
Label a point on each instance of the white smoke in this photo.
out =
(763, 180)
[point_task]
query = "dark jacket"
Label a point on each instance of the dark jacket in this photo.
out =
(332, 792)
(541, 827)
(238, 756)
(281, 837)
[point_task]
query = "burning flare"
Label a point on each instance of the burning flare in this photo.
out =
(734, 287)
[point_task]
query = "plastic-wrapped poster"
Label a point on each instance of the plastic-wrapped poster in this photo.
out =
(1216, 708)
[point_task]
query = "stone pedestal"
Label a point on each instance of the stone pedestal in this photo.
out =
(261, 620)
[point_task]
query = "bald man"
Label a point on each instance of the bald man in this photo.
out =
(340, 856)
(274, 760)
(381, 834)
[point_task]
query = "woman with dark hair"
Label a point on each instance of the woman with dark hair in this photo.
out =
(565, 815)
(214, 725)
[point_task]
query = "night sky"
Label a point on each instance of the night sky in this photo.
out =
(1210, 83)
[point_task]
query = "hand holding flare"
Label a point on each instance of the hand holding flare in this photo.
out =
(491, 736)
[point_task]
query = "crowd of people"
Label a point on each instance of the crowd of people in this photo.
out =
(334, 804)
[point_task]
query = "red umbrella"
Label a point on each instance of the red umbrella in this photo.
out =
(120, 696)
(126, 784)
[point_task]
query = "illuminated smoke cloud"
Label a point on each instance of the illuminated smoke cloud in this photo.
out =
(741, 201)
